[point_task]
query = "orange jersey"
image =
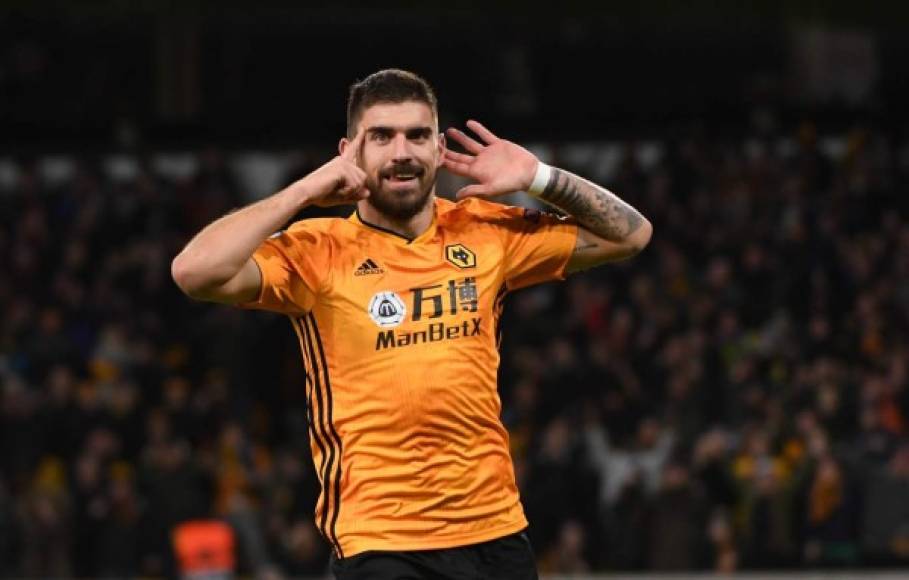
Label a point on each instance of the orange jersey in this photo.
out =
(399, 340)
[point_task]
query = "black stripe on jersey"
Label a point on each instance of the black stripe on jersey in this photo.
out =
(334, 433)
(371, 264)
(322, 440)
(298, 328)
(497, 306)
(314, 425)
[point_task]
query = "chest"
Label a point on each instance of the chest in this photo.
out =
(436, 292)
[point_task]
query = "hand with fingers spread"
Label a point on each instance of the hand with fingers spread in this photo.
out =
(340, 181)
(497, 165)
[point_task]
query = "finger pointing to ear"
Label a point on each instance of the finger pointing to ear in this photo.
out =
(485, 134)
(466, 142)
(459, 157)
(456, 167)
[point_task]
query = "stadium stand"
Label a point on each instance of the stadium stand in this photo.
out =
(735, 398)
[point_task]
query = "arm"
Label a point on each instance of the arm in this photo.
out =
(217, 263)
(610, 229)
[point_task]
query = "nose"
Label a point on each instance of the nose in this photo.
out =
(401, 151)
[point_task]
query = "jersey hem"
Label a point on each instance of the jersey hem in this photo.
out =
(354, 547)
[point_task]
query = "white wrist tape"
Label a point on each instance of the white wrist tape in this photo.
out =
(540, 180)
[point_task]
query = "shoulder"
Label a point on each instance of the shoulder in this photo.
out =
(318, 229)
(476, 210)
(479, 210)
(316, 237)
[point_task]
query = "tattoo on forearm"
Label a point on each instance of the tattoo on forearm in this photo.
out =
(595, 208)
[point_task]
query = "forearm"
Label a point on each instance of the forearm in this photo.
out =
(597, 209)
(218, 252)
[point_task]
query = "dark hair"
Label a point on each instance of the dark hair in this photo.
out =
(387, 86)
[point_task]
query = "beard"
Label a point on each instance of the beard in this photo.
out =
(400, 204)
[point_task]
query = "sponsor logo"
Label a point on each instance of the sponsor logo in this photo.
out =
(438, 301)
(433, 301)
(460, 255)
(435, 332)
(387, 309)
(368, 267)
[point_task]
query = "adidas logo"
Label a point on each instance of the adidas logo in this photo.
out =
(368, 267)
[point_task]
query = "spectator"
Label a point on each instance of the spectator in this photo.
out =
(647, 456)
(831, 518)
(678, 522)
(567, 554)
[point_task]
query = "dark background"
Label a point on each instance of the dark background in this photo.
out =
(276, 73)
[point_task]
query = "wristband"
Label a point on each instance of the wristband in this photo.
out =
(540, 180)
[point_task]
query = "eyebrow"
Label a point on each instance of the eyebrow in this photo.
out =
(421, 130)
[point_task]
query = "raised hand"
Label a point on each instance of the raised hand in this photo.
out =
(497, 165)
(340, 181)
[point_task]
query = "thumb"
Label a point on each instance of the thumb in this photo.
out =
(473, 191)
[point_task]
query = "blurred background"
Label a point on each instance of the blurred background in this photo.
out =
(733, 399)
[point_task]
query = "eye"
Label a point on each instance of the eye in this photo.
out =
(419, 135)
(379, 137)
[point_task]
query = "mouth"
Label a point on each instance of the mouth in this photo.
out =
(403, 176)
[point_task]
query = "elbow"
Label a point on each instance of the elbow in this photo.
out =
(187, 277)
(640, 238)
(182, 274)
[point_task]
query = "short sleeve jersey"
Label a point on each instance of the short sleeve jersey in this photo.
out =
(400, 345)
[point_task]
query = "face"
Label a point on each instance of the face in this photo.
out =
(402, 152)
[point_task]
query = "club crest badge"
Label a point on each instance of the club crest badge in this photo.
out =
(461, 256)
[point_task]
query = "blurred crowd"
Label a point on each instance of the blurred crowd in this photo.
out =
(735, 397)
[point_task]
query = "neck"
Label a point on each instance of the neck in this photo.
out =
(409, 228)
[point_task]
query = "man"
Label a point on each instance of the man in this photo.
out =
(397, 311)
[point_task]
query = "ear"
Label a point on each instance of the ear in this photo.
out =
(443, 145)
(342, 145)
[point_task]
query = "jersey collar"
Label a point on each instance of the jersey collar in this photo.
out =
(426, 235)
